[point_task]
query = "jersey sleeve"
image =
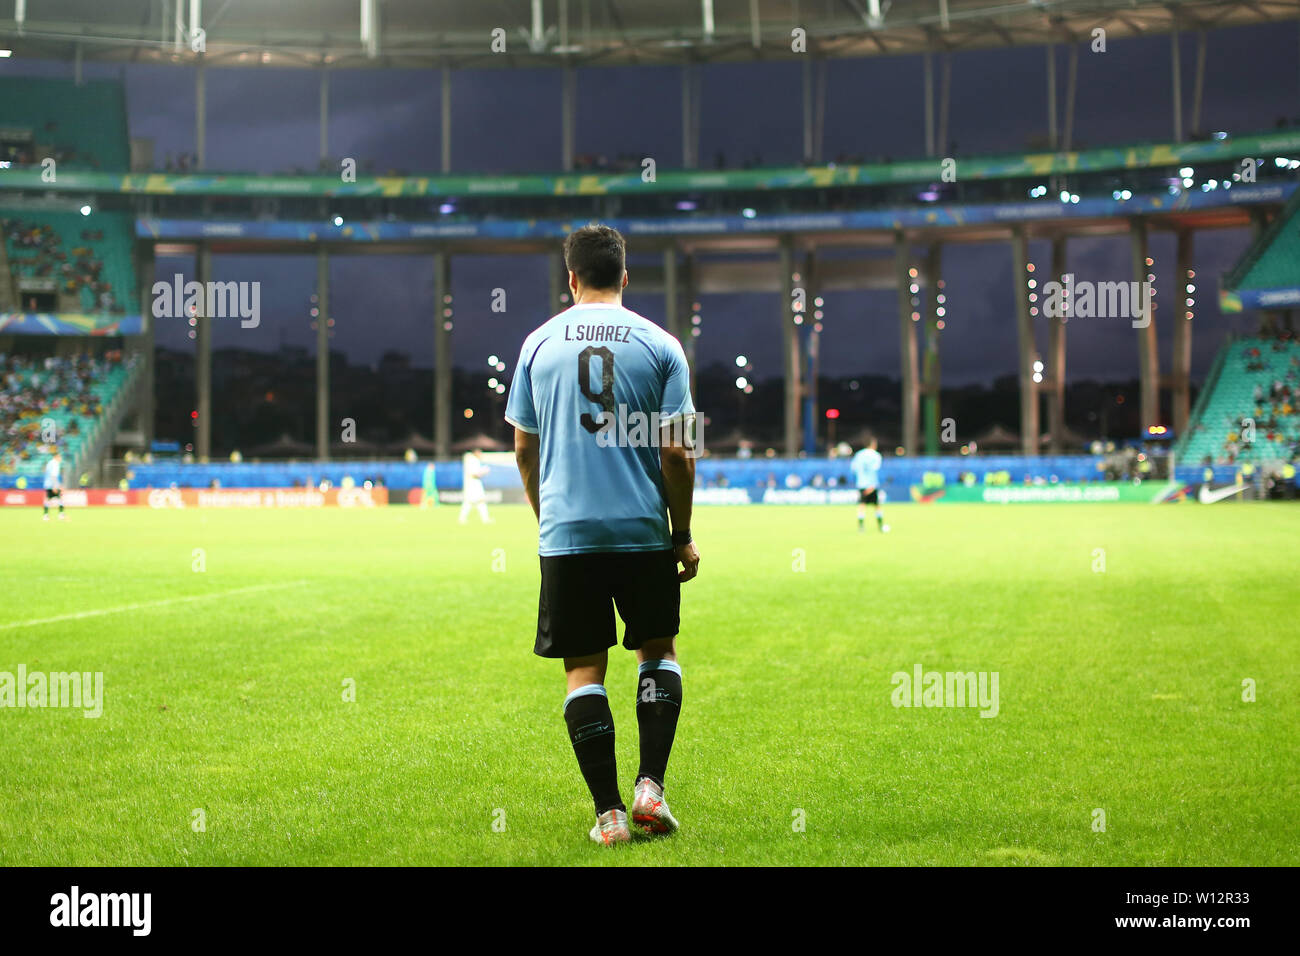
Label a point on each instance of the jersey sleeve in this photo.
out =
(676, 402)
(520, 410)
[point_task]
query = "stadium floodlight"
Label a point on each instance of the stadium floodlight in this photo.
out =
(741, 382)
(1187, 183)
(6, 54)
(748, 212)
(492, 360)
(1074, 198)
(492, 382)
(1038, 376)
(501, 389)
(1065, 195)
(741, 361)
(1220, 134)
(1187, 172)
(1125, 195)
(85, 210)
(1038, 365)
(501, 366)
(338, 220)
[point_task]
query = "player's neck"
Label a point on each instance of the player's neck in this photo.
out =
(599, 298)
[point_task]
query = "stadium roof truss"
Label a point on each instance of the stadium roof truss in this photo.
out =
(460, 33)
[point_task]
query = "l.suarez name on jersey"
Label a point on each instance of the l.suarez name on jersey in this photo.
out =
(596, 333)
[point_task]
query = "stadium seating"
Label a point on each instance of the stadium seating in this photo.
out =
(69, 394)
(78, 126)
(1259, 381)
(88, 256)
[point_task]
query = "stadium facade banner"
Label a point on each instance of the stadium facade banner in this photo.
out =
(688, 225)
(1239, 300)
(70, 323)
(668, 181)
(1060, 493)
(207, 497)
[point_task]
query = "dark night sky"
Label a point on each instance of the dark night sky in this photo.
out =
(266, 120)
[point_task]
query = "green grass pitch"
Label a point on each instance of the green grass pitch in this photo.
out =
(1120, 690)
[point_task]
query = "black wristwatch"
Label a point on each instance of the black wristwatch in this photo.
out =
(682, 538)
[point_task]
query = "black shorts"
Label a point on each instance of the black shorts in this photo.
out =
(52, 493)
(868, 497)
(575, 612)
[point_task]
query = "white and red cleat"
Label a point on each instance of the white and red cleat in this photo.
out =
(611, 827)
(650, 811)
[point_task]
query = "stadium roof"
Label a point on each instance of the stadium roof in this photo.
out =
(457, 33)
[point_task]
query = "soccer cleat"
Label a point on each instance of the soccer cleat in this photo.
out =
(884, 529)
(611, 827)
(650, 811)
(45, 517)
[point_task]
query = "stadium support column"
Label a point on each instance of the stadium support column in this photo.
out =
(672, 297)
(324, 119)
(907, 345)
(928, 77)
(559, 281)
(322, 355)
(1025, 335)
(442, 356)
(568, 115)
(930, 358)
(690, 116)
(1182, 357)
(200, 115)
(1176, 64)
(811, 338)
(1056, 358)
(203, 359)
(446, 119)
(791, 361)
(1148, 357)
(147, 260)
(688, 299)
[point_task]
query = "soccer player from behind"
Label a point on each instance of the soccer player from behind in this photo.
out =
(603, 491)
(866, 472)
(53, 485)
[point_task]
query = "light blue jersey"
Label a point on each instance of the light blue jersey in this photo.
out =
(53, 478)
(866, 468)
(587, 368)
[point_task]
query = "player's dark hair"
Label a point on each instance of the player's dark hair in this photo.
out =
(868, 440)
(597, 255)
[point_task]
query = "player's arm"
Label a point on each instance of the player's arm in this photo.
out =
(527, 457)
(678, 467)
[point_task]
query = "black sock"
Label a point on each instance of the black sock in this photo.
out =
(591, 730)
(658, 704)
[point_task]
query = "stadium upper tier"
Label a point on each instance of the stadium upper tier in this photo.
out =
(84, 263)
(1252, 411)
(80, 127)
(52, 402)
(1122, 164)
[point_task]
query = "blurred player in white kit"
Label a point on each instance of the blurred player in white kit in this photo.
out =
(473, 468)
